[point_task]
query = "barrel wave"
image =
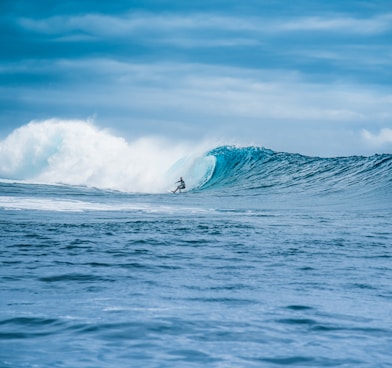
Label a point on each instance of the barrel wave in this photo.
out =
(258, 171)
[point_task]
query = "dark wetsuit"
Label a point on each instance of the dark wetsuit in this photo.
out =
(180, 186)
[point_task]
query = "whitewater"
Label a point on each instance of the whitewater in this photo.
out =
(78, 153)
(267, 259)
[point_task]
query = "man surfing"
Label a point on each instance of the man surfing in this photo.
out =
(180, 186)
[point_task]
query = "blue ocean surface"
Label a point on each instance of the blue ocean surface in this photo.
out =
(267, 259)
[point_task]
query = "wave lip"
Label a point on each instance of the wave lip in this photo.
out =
(236, 165)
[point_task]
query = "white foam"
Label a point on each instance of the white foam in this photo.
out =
(68, 205)
(78, 153)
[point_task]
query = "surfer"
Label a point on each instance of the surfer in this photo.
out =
(180, 186)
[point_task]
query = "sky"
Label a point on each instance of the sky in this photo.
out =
(305, 76)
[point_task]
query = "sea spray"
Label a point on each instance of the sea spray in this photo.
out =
(76, 152)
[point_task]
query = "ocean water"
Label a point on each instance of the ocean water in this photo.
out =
(267, 259)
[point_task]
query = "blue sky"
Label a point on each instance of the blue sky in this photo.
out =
(308, 76)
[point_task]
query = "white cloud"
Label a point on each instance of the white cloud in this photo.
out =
(375, 25)
(143, 24)
(102, 25)
(382, 138)
(352, 57)
(182, 90)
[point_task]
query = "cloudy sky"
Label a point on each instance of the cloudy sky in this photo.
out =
(307, 76)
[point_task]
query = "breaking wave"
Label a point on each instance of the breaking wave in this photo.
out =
(78, 153)
(255, 168)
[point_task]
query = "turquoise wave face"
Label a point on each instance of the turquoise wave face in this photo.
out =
(259, 171)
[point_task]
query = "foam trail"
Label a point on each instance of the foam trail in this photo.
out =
(78, 153)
